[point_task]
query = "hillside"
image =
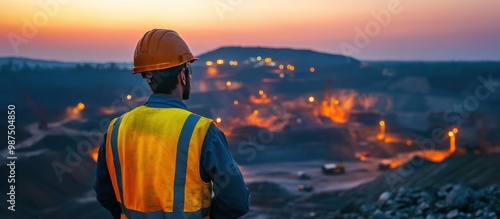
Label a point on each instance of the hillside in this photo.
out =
(308, 57)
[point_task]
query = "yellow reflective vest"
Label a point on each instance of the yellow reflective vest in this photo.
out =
(153, 156)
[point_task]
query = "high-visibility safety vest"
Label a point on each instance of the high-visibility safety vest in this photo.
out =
(153, 156)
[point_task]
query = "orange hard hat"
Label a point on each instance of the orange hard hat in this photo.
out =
(160, 49)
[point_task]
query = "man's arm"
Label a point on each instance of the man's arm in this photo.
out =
(103, 187)
(232, 198)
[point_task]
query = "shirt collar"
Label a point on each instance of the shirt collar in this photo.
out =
(162, 101)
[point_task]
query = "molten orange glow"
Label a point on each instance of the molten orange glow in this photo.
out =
(233, 63)
(455, 130)
(382, 123)
(336, 102)
(209, 63)
(396, 163)
(451, 134)
(409, 142)
(129, 97)
(311, 69)
(268, 60)
(94, 153)
(255, 112)
(212, 71)
(281, 67)
(218, 120)
(362, 158)
(228, 83)
(435, 156)
(261, 92)
(332, 111)
(311, 99)
(262, 100)
(80, 106)
(220, 61)
(235, 102)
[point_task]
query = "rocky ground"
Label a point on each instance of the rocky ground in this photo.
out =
(448, 202)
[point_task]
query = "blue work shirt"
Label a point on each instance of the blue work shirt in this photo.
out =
(231, 199)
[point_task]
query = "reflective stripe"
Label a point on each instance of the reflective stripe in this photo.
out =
(181, 161)
(132, 214)
(116, 158)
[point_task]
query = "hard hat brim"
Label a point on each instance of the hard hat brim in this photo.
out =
(145, 68)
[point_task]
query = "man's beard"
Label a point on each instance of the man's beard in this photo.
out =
(186, 90)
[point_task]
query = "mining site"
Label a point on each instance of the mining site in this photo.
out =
(315, 135)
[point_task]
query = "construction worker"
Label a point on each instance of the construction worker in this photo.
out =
(160, 160)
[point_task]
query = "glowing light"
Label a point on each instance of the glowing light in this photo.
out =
(80, 106)
(261, 92)
(235, 102)
(268, 60)
(282, 75)
(381, 135)
(218, 120)
(212, 71)
(129, 97)
(220, 61)
(311, 99)
(228, 83)
(311, 69)
(233, 63)
(259, 58)
(209, 63)
(453, 145)
(336, 102)
(281, 67)
(409, 142)
(455, 130)
(255, 112)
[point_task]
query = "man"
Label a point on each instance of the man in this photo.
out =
(160, 160)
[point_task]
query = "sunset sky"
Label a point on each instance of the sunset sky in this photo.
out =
(108, 30)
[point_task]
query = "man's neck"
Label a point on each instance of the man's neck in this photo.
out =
(175, 94)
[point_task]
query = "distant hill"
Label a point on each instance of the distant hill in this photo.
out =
(20, 62)
(294, 56)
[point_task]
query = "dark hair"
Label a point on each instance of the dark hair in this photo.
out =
(164, 80)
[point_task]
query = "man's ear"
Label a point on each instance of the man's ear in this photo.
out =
(182, 78)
